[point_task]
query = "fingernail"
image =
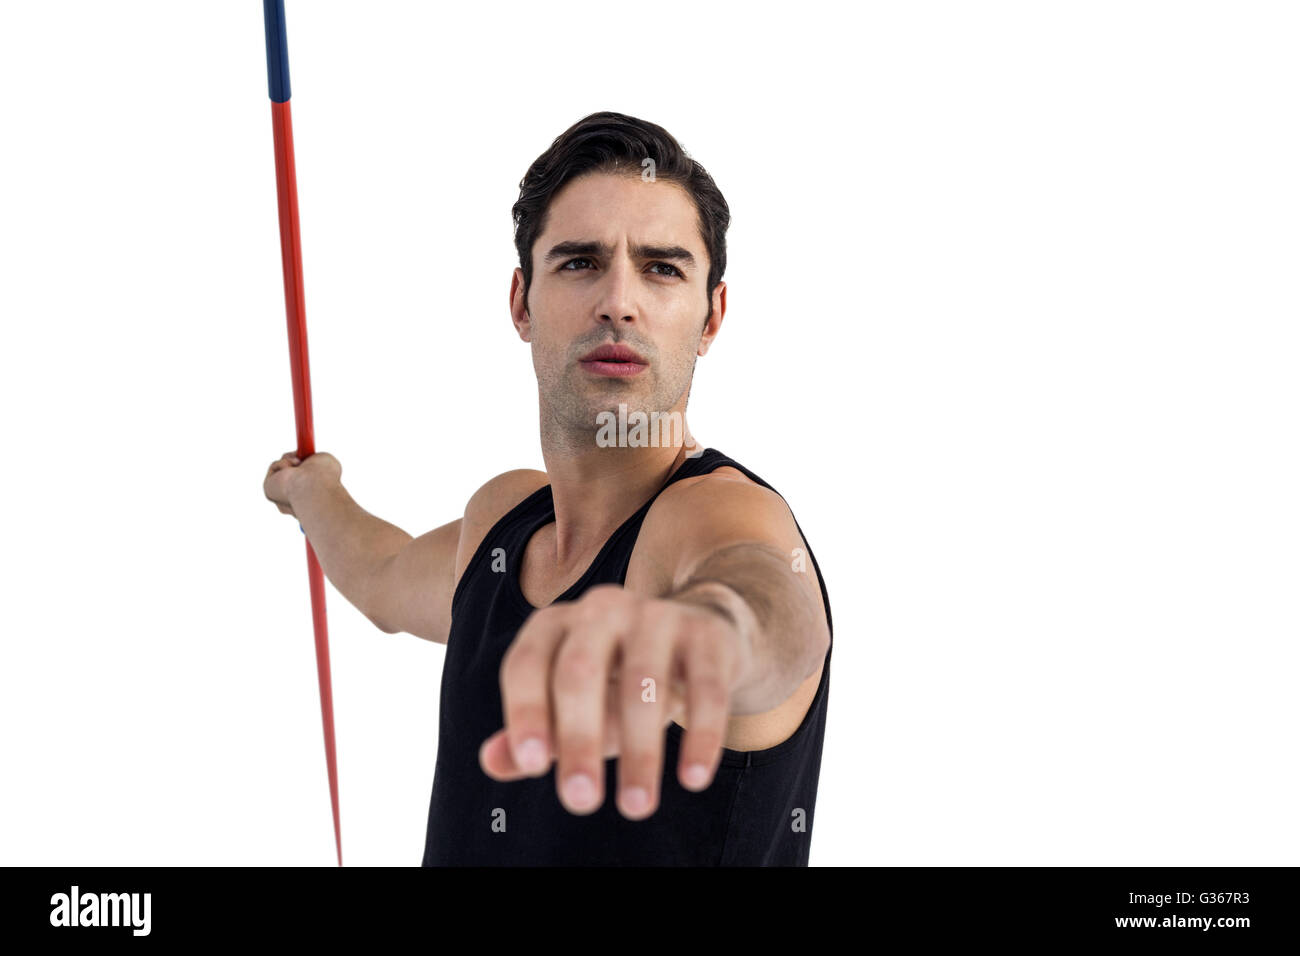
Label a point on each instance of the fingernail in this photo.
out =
(636, 799)
(697, 775)
(579, 790)
(531, 755)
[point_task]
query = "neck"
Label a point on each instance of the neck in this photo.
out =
(596, 489)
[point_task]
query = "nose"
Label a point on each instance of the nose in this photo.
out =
(615, 303)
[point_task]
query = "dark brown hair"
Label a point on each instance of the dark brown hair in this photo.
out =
(616, 143)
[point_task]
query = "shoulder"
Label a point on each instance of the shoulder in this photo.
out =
(697, 516)
(498, 495)
(722, 500)
(489, 504)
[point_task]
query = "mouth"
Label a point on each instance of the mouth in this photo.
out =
(616, 361)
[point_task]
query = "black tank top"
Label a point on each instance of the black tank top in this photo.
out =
(758, 811)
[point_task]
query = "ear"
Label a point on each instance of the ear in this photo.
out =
(719, 303)
(518, 314)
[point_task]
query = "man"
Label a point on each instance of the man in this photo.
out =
(638, 638)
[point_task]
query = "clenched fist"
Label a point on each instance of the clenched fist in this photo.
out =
(602, 677)
(287, 470)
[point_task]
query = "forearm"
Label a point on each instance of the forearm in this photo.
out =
(777, 620)
(350, 543)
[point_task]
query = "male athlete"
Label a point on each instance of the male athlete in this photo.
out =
(642, 621)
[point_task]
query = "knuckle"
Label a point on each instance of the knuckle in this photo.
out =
(641, 763)
(637, 666)
(590, 612)
(576, 668)
(578, 746)
(651, 612)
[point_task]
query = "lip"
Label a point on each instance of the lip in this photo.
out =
(613, 361)
(613, 353)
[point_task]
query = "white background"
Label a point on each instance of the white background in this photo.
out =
(1012, 325)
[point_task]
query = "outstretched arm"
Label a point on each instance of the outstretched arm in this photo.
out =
(735, 629)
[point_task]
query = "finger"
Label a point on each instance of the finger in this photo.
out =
(497, 761)
(707, 707)
(497, 758)
(525, 690)
(643, 694)
(579, 689)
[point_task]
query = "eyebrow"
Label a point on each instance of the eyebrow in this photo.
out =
(587, 247)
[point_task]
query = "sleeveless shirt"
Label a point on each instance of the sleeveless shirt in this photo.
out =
(757, 811)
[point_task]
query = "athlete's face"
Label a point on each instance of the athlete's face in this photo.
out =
(620, 262)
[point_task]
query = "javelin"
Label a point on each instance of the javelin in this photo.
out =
(286, 184)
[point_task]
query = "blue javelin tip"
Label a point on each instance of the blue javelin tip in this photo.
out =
(277, 50)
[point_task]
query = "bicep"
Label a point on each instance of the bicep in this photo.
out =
(412, 590)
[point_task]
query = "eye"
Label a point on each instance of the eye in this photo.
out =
(564, 267)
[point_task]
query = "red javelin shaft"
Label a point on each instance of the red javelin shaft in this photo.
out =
(295, 309)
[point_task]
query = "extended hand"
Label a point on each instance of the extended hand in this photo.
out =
(602, 677)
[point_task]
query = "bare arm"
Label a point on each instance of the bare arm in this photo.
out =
(717, 614)
(412, 590)
(350, 543)
(728, 546)
(402, 584)
(750, 584)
